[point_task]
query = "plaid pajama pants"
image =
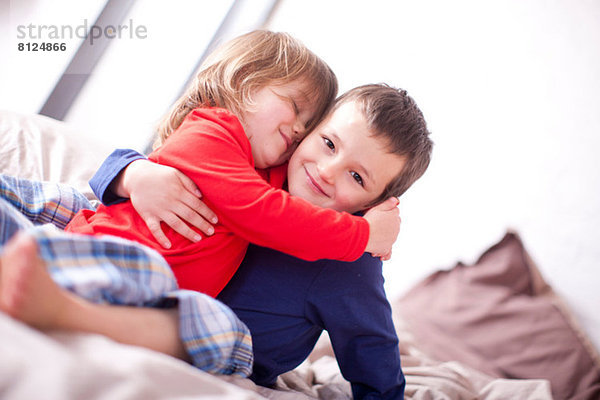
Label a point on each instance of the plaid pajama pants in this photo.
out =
(113, 270)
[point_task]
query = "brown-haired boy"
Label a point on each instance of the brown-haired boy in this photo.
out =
(287, 302)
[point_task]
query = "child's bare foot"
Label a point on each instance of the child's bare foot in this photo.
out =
(27, 292)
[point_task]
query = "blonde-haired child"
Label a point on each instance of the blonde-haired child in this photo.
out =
(231, 74)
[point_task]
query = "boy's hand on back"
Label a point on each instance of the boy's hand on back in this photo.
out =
(384, 225)
(161, 193)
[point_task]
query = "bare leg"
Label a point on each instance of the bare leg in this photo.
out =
(28, 294)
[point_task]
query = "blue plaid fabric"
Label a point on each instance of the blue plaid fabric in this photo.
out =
(113, 270)
(11, 221)
(213, 335)
(43, 202)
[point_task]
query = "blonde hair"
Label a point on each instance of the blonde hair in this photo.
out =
(234, 71)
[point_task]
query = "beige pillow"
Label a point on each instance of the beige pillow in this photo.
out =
(41, 148)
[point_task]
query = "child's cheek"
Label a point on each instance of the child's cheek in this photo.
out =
(346, 201)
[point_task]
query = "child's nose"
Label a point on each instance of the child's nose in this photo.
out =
(327, 171)
(299, 130)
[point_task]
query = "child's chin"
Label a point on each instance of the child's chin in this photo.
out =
(298, 192)
(317, 200)
(274, 162)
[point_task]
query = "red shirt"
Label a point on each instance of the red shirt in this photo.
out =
(211, 148)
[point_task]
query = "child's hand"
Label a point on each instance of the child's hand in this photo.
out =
(161, 193)
(384, 224)
(384, 257)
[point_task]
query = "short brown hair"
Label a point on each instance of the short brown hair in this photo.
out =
(392, 114)
(230, 74)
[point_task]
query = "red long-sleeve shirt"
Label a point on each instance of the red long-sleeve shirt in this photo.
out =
(211, 148)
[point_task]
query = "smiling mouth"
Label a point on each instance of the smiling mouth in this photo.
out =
(313, 184)
(287, 140)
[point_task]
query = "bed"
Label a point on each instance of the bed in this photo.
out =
(491, 330)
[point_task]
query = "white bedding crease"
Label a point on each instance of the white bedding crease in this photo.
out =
(82, 366)
(69, 366)
(79, 366)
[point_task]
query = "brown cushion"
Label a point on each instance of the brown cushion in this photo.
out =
(501, 317)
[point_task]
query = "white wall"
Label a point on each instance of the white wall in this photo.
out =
(511, 91)
(135, 81)
(27, 77)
